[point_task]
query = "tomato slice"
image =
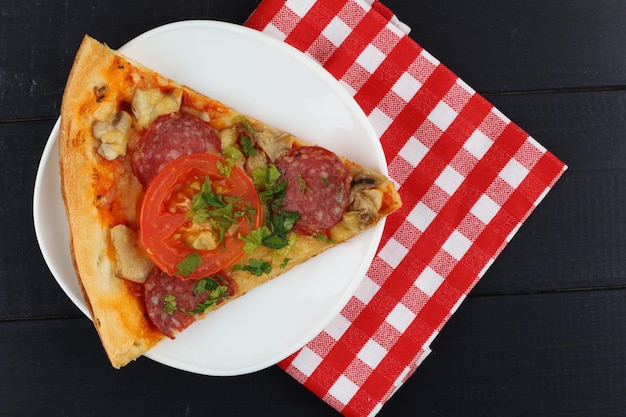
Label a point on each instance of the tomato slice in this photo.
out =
(192, 208)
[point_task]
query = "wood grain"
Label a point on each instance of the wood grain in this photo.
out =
(542, 334)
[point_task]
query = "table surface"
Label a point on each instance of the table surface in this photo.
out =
(541, 334)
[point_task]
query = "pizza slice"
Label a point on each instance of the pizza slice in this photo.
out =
(178, 204)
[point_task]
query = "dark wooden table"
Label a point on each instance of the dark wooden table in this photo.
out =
(543, 333)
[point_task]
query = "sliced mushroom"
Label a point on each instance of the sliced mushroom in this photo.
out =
(274, 142)
(255, 161)
(365, 198)
(132, 261)
(113, 135)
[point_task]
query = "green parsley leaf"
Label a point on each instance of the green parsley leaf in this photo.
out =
(188, 264)
(205, 197)
(271, 190)
(256, 267)
(279, 222)
(275, 241)
(324, 181)
(200, 201)
(231, 154)
(220, 211)
(323, 238)
(217, 293)
(265, 177)
(263, 236)
(284, 263)
(245, 123)
(284, 252)
(169, 304)
(203, 285)
(283, 222)
(303, 186)
(255, 238)
(246, 146)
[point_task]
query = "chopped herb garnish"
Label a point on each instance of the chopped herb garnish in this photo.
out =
(324, 181)
(231, 154)
(263, 236)
(189, 264)
(303, 186)
(283, 221)
(323, 238)
(256, 267)
(275, 241)
(221, 212)
(266, 177)
(284, 263)
(205, 198)
(246, 146)
(217, 293)
(245, 123)
(169, 304)
(255, 238)
(279, 222)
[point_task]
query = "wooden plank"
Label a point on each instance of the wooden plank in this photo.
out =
(58, 367)
(552, 355)
(495, 47)
(27, 289)
(542, 355)
(54, 31)
(577, 236)
(523, 46)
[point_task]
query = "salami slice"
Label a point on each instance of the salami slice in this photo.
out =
(169, 137)
(318, 187)
(171, 301)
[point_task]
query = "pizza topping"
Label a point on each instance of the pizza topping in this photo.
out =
(218, 289)
(113, 135)
(318, 187)
(132, 261)
(149, 104)
(173, 303)
(368, 204)
(256, 267)
(263, 236)
(188, 264)
(231, 156)
(213, 215)
(323, 238)
(274, 142)
(365, 198)
(168, 138)
(278, 222)
(191, 207)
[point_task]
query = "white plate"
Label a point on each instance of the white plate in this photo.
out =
(274, 82)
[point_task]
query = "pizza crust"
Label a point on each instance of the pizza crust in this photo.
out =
(100, 83)
(119, 318)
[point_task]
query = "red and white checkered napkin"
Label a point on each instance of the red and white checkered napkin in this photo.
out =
(467, 175)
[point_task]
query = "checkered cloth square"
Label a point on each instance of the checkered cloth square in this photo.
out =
(467, 175)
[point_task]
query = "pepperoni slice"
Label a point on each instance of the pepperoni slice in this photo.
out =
(170, 301)
(169, 137)
(318, 187)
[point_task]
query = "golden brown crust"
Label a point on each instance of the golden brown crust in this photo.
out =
(116, 312)
(100, 193)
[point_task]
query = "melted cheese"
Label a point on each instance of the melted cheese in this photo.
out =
(149, 104)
